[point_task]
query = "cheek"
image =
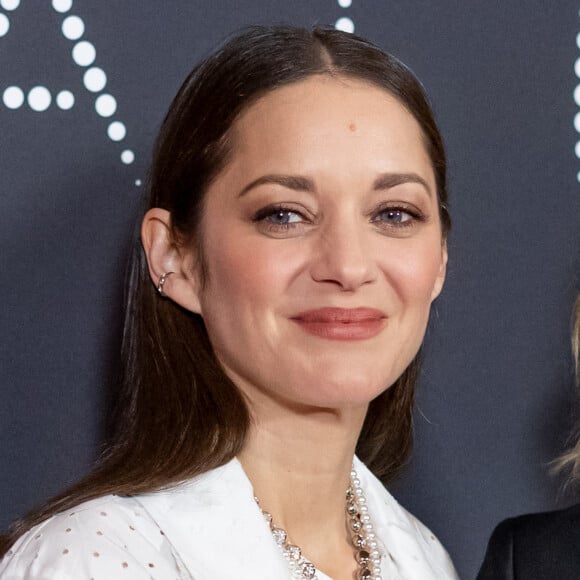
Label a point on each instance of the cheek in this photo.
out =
(416, 273)
(247, 271)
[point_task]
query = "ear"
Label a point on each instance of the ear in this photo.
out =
(165, 255)
(442, 272)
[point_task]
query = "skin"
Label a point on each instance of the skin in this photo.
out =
(353, 222)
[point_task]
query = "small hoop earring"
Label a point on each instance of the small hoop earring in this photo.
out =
(161, 282)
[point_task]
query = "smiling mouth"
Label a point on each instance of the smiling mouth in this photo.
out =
(342, 323)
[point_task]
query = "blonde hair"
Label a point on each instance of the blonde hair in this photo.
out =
(571, 459)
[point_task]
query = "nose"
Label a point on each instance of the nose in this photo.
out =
(343, 255)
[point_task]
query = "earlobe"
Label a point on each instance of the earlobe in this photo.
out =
(171, 265)
(439, 281)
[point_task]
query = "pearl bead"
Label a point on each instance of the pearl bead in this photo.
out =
(363, 538)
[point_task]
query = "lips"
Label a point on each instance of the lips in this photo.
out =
(342, 323)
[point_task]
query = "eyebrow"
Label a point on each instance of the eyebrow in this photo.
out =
(388, 180)
(301, 183)
(295, 182)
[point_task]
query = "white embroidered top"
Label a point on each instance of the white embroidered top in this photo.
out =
(208, 528)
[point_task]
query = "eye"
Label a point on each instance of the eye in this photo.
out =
(281, 216)
(280, 221)
(394, 216)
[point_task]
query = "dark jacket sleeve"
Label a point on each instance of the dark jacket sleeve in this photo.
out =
(498, 563)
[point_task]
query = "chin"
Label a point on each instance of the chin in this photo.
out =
(346, 390)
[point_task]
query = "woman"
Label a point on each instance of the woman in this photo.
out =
(541, 546)
(295, 238)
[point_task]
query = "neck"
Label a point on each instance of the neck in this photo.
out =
(299, 463)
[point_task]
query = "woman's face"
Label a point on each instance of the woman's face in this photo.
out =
(323, 245)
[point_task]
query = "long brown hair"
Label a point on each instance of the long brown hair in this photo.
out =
(179, 415)
(570, 460)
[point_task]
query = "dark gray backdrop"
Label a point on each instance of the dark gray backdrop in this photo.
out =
(496, 395)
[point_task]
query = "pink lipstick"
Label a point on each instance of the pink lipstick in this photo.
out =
(342, 323)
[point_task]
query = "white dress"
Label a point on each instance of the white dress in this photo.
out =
(208, 528)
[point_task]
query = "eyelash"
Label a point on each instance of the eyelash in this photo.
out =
(415, 215)
(265, 215)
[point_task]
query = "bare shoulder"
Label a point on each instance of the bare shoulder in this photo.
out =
(98, 539)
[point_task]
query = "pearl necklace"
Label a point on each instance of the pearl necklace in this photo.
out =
(363, 539)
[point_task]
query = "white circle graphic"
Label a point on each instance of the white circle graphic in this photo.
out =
(578, 177)
(10, 4)
(345, 24)
(138, 182)
(65, 100)
(4, 25)
(127, 157)
(577, 149)
(577, 95)
(39, 98)
(84, 53)
(106, 105)
(577, 67)
(95, 79)
(73, 27)
(578, 40)
(13, 97)
(62, 6)
(577, 122)
(116, 131)
(344, 3)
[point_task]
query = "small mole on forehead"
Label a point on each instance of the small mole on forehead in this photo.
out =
(352, 126)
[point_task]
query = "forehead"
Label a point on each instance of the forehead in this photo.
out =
(331, 115)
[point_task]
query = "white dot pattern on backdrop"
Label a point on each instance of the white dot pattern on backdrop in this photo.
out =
(345, 23)
(62, 6)
(106, 105)
(127, 157)
(117, 132)
(95, 79)
(10, 4)
(576, 96)
(13, 97)
(84, 53)
(4, 25)
(73, 27)
(65, 100)
(39, 99)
